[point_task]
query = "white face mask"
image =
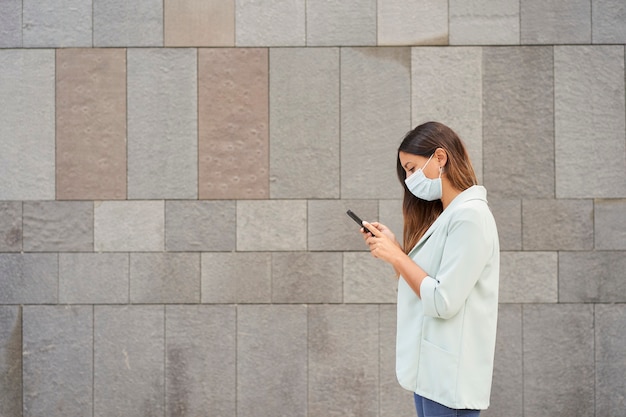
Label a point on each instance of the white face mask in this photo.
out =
(422, 187)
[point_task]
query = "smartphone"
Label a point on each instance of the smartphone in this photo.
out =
(357, 219)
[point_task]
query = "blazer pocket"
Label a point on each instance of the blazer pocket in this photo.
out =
(438, 371)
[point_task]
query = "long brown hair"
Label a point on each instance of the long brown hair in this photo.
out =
(424, 140)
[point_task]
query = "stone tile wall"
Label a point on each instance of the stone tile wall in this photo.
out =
(174, 176)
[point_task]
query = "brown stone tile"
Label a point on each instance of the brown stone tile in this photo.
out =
(199, 22)
(91, 124)
(233, 123)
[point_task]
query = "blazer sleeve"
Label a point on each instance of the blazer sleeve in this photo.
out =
(466, 252)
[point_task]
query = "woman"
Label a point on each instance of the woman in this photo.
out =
(448, 276)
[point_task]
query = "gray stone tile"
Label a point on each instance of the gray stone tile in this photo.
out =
(271, 225)
(529, 277)
(610, 224)
(330, 229)
(127, 23)
(367, 279)
(29, 278)
(555, 21)
(307, 277)
(590, 121)
(165, 278)
(93, 278)
(484, 22)
(11, 362)
(58, 226)
(200, 364)
(343, 358)
(236, 277)
(607, 18)
(507, 388)
(57, 23)
(557, 224)
(200, 226)
(27, 153)
(11, 24)
(270, 23)
(375, 116)
(10, 226)
(610, 349)
(129, 226)
(271, 360)
(559, 354)
(412, 22)
(129, 368)
(592, 277)
(518, 156)
(58, 360)
(162, 123)
(508, 215)
(304, 122)
(341, 23)
(446, 86)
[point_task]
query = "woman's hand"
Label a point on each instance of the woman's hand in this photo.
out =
(381, 241)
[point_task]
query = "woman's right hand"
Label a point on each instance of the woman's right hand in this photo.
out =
(383, 229)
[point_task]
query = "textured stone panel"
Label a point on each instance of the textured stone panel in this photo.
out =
(508, 215)
(375, 115)
(58, 226)
(367, 279)
(608, 17)
(10, 226)
(199, 22)
(592, 277)
(555, 21)
(270, 23)
(200, 361)
(446, 87)
(307, 277)
(129, 368)
(27, 141)
(91, 124)
(343, 360)
(330, 229)
(200, 225)
(610, 224)
(507, 387)
(558, 348)
(271, 225)
(304, 123)
(57, 23)
(529, 277)
(271, 360)
(233, 123)
(11, 24)
(164, 278)
(557, 224)
(518, 155)
(412, 22)
(29, 278)
(10, 361)
(484, 22)
(236, 277)
(93, 278)
(128, 23)
(129, 226)
(162, 124)
(330, 23)
(590, 121)
(610, 351)
(58, 360)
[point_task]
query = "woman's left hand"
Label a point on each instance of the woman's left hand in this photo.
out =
(382, 246)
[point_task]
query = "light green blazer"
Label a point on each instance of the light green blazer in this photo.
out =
(446, 340)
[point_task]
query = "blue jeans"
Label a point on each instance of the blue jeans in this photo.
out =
(429, 408)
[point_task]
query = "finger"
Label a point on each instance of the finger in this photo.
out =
(373, 230)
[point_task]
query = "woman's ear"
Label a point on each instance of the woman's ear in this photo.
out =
(441, 156)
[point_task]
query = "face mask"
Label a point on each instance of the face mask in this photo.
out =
(422, 187)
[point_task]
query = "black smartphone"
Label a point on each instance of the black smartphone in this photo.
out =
(357, 219)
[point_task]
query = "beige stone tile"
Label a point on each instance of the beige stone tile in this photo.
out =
(233, 123)
(91, 124)
(199, 22)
